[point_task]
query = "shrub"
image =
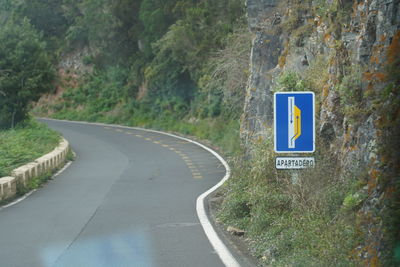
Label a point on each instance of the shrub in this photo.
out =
(291, 81)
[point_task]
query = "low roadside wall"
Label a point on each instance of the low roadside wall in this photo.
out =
(42, 165)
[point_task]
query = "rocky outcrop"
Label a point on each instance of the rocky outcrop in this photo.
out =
(362, 39)
(77, 61)
(266, 49)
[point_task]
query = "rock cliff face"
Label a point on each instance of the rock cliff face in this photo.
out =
(364, 38)
(346, 52)
(267, 47)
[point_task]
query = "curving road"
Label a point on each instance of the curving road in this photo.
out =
(128, 200)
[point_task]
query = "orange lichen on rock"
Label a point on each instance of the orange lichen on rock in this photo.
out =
(325, 90)
(371, 253)
(282, 61)
(394, 48)
(374, 173)
(374, 261)
(327, 37)
(374, 60)
(383, 38)
(375, 76)
(373, 181)
(346, 136)
(381, 77)
(353, 148)
(390, 191)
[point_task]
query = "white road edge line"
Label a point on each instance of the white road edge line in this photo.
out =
(223, 252)
(34, 190)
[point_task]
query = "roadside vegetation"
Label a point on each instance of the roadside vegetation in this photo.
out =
(25, 143)
(294, 218)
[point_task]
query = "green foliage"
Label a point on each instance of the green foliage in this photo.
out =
(225, 76)
(47, 17)
(317, 73)
(179, 57)
(292, 218)
(99, 94)
(111, 27)
(24, 144)
(291, 81)
(186, 60)
(182, 54)
(339, 8)
(324, 8)
(350, 88)
(298, 8)
(300, 34)
(155, 19)
(352, 201)
(351, 95)
(93, 24)
(25, 70)
(34, 183)
(70, 155)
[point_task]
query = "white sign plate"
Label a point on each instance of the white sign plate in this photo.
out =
(294, 163)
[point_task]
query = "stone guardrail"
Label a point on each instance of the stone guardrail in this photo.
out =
(42, 165)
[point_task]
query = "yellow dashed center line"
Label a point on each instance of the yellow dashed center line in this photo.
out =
(194, 170)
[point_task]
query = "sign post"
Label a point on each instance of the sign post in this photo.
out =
(294, 128)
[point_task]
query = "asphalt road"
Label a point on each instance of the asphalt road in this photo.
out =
(128, 200)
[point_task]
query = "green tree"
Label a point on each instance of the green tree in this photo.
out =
(26, 71)
(94, 24)
(183, 56)
(46, 16)
(155, 18)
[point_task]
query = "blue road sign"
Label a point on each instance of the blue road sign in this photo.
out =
(294, 122)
